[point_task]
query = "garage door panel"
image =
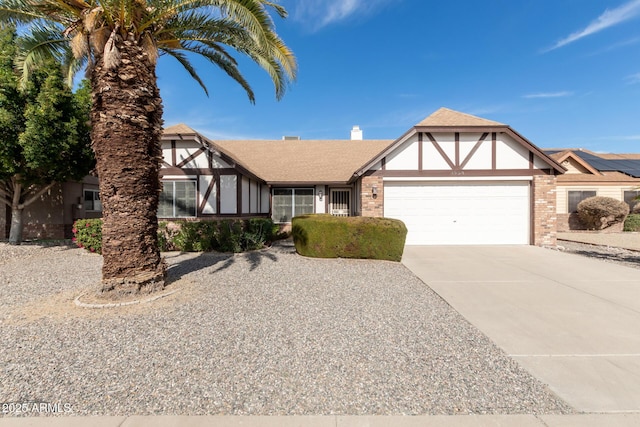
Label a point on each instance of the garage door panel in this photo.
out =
(469, 213)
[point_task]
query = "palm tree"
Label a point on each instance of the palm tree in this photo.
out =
(119, 42)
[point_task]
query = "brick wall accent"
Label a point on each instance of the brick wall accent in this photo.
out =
(371, 206)
(545, 218)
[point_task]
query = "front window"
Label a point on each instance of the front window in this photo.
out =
(576, 197)
(92, 201)
(290, 202)
(631, 197)
(178, 199)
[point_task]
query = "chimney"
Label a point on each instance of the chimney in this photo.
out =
(356, 133)
(291, 138)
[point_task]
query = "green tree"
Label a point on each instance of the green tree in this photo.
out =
(120, 42)
(44, 133)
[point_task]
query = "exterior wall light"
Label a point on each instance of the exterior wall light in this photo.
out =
(374, 192)
(320, 194)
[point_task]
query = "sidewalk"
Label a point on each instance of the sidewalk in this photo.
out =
(625, 240)
(585, 420)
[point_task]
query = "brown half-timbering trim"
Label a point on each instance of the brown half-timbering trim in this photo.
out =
(494, 139)
(461, 173)
(419, 151)
(196, 171)
(530, 159)
(383, 163)
(166, 165)
(461, 129)
(473, 150)
(239, 194)
(174, 154)
(440, 150)
(457, 146)
(206, 196)
(191, 157)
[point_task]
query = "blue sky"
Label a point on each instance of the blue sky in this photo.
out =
(563, 73)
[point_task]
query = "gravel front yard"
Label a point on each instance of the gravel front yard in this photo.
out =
(264, 333)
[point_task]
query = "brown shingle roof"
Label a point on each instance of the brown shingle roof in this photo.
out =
(447, 117)
(294, 161)
(180, 128)
(604, 177)
(303, 161)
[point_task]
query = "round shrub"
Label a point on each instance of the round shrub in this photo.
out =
(597, 213)
(636, 209)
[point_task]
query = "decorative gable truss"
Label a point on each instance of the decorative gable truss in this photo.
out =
(201, 181)
(442, 153)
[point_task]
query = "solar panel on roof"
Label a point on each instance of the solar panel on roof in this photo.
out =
(630, 167)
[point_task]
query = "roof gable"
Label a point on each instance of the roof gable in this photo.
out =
(569, 158)
(179, 129)
(599, 163)
(447, 117)
(447, 120)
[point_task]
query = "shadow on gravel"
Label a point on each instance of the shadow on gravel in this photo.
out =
(610, 257)
(254, 259)
(217, 261)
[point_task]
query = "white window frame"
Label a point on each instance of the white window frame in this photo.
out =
(293, 202)
(175, 213)
(90, 204)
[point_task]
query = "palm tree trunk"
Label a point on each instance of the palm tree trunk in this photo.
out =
(126, 121)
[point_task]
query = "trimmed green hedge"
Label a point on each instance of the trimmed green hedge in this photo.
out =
(327, 236)
(192, 236)
(632, 223)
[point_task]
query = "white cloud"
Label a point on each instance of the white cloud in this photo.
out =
(321, 13)
(609, 18)
(548, 95)
(634, 78)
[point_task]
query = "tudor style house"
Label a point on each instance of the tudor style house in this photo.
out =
(453, 178)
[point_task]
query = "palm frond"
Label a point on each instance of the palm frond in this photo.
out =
(182, 59)
(43, 43)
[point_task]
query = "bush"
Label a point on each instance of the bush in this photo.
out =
(597, 213)
(632, 223)
(192, 236)
(327, 236)
(636, 209)
(227, 235)
(87, 234)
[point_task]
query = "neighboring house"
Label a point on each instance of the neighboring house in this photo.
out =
(593, 174)
(452, 178)
(52, 216)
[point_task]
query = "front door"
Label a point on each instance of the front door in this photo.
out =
(340, 202)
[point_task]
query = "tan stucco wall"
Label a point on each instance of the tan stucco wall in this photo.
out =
(44, 219)
(615, 191)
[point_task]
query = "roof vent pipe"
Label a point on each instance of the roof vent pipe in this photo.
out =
(356, 133)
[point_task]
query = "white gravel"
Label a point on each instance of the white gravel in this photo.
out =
(264, 333)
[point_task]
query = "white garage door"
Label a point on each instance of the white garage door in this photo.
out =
(465, 213)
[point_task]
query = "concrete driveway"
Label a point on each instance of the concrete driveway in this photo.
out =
(571, 321)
